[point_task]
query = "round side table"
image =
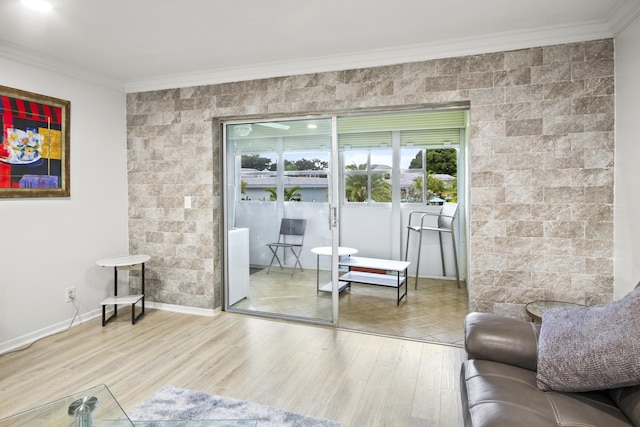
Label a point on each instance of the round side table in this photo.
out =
(536, 308)
(125, 262)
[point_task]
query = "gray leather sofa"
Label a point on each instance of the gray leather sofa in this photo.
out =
(498, 383)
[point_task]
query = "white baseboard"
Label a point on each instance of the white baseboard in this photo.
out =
(182, 309)
(60, 327)
(28, 339)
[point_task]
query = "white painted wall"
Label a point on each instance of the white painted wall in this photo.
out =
(48, 245)
(627, 170)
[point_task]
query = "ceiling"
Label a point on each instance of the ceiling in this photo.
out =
(154, 44)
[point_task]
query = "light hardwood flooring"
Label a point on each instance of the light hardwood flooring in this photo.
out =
(353, 378)
(434, 312)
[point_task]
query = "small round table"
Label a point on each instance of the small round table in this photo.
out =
(536, 308)
(327, 251)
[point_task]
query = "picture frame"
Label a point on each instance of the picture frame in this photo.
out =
(35, 145)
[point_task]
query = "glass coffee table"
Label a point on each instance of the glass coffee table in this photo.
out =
(96, 407)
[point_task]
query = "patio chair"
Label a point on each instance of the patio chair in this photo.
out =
(445, 222)
(292, 237)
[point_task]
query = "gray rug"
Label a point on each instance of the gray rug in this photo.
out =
(173, 403)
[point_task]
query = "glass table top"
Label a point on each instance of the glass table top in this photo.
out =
(104, 410)
(536, 308)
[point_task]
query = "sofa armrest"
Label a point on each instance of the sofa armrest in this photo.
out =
(502, 339)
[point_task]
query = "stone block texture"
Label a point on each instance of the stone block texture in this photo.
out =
(541, 156)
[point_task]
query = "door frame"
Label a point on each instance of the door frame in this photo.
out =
(463, 190)
(219, 134)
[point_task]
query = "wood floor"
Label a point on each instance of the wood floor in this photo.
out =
(353, 378)
(433, 312)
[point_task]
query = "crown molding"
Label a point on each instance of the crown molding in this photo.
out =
(616, 21)
(25, 56)
(498, 42)
(621, 16)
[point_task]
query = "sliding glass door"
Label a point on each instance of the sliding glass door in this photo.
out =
(279, 192)
(288, 181)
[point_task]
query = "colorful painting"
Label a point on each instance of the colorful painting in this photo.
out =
(34, 154)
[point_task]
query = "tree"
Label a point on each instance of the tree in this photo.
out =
(311, 165)
(290, 194)
(416, 162)
(439, 160)
(305, 165)
(435, 187)
(256, 162)
(243, 190)
(434, 184)
(451, 194)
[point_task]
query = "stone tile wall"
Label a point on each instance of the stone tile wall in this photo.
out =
(541, 159)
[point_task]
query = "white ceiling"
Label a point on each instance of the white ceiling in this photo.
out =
(155, 44)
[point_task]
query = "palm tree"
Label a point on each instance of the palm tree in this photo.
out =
(435, 187)
(290, 194)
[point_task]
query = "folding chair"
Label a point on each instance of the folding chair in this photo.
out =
(291, 236)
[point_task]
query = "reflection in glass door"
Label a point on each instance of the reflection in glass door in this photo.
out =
(278, 198)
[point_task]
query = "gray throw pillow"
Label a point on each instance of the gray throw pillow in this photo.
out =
(590, 348)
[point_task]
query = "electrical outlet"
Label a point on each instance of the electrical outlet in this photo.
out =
(70, 294)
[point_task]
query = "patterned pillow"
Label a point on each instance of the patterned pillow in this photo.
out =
(590, 348)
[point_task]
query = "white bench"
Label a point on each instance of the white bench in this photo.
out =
(397, 279)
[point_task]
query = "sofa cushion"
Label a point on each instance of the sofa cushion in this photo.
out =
(590, 348)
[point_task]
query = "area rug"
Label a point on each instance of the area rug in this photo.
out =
(172, 403)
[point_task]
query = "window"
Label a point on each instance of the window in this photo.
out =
(367, 175)
(285, 160)
(438, 167)
(258, 174)
(420, 147)
(306, 176)
(409, 157)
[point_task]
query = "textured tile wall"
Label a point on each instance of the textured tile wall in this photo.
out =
(541, 158)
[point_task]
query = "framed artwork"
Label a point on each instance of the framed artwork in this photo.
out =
(34, 153)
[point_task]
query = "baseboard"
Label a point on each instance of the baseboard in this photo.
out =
(182, 309)
(26, 340)
(30, 338)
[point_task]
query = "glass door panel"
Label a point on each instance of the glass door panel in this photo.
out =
(278, 198)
